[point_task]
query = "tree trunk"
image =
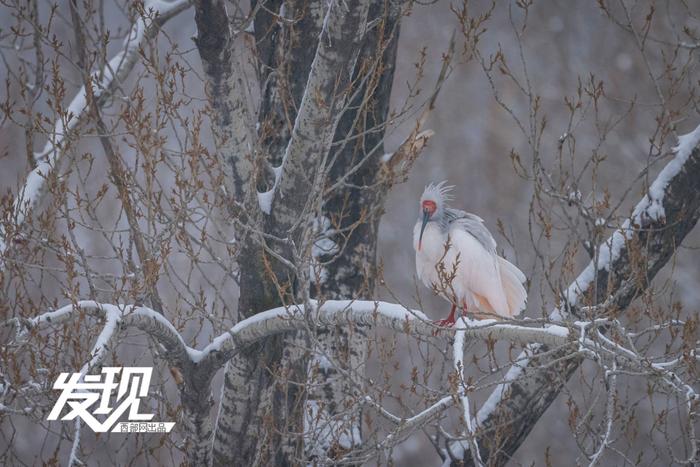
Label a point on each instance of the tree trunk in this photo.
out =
(355, 212)
(305, 90)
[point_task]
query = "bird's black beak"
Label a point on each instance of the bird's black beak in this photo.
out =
(426, 218)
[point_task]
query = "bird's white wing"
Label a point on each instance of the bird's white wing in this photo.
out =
(473, 225)
(478, 272)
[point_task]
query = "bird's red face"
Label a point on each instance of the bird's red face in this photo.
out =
(429, 207)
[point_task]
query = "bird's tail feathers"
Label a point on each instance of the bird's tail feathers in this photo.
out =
(512, 279)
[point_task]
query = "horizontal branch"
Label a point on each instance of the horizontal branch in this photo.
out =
(284, 319)
(326, 314)
(369, 313)
(199, 366)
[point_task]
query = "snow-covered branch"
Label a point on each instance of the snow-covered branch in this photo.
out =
(649, 211)
(199, 366)
(458, 362)
(117, 317)
(284, 319)
(107, 81)
(369, 313)
(658, 224)
(328, 313)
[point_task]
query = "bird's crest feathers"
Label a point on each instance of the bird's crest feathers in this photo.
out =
(439, 193)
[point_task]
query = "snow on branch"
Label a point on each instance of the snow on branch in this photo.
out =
(283, 319)
(406, 426)
(317, 118)
(370, 313)
(458, 362)
(107, 80)
(650, 207)
(201, 365)
(323, 314)
(663, 217)
(117, 317)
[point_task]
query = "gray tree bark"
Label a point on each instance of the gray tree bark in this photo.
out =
(308, 69)
(355, 213)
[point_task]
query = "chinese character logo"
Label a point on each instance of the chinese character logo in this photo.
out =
(81, 394)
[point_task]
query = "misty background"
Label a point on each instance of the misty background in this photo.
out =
(564, 44)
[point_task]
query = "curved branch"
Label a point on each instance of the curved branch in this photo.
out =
(370, 313)
(293, 318)
(143, 318)
(199, 366)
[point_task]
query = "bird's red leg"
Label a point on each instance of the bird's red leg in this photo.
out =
(450, 321)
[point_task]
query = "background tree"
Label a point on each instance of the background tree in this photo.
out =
(217, 207)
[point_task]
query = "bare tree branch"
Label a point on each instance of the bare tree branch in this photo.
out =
(50, 160)
(117, 170)
(624, 267)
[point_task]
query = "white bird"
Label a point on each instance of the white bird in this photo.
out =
(456, 256)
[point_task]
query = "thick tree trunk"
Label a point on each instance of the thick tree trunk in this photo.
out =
(355, 213)
(262, 407)
(286, 56)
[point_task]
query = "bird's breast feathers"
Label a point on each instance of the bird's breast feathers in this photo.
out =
(476, 269)
(464, 252)
(430, 252)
